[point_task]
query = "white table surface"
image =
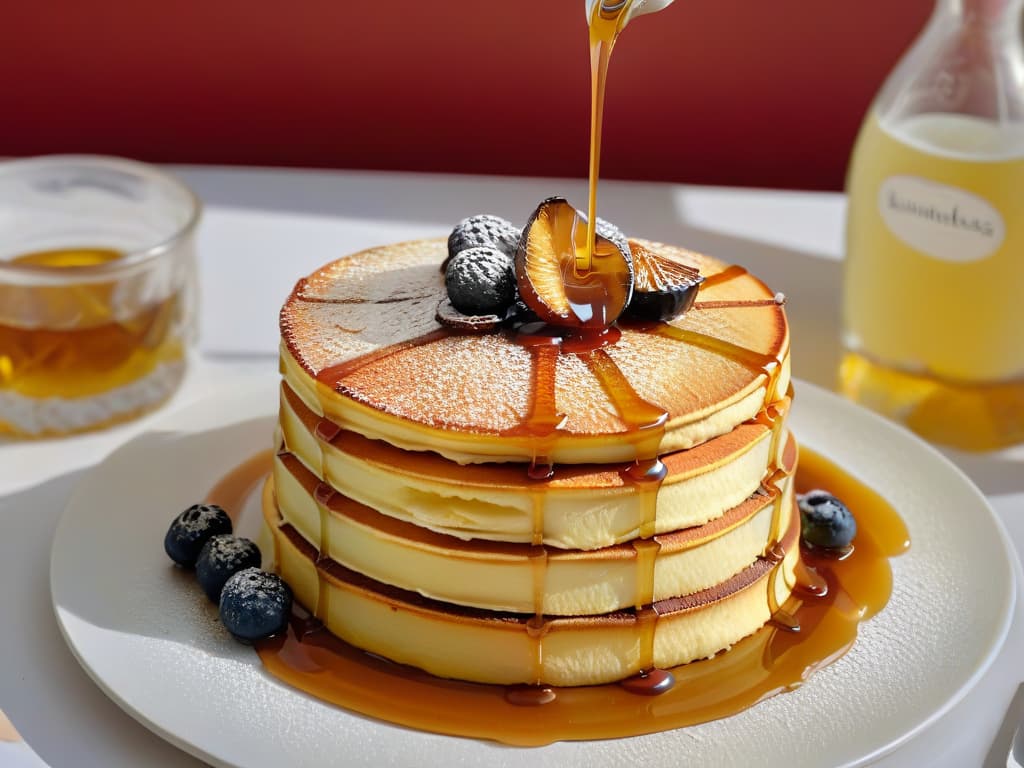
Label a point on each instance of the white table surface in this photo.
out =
(262, 229)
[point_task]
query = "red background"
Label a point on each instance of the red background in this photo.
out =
(748, 92)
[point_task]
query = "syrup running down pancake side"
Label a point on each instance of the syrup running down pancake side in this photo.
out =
(831, 597)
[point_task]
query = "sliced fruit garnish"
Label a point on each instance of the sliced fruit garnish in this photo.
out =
(549, 282)
(662, 288)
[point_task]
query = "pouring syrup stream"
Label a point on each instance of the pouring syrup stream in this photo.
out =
(605, 25)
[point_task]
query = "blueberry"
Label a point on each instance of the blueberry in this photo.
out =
(220, 559)
(255, 604)
(825, 521)
(192, 529)
(484, 230)
(480, 282)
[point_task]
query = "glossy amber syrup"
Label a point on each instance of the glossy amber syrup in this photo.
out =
(551, 283)
(645, 428)
(234, 488)
(832, 596)
(78, 343)
(604, 30)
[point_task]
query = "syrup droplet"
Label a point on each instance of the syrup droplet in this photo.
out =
(785, 621)
(530, 695)
(809, 582)
(541, 470)
(326, 430)
(651, 683)
(323, 493)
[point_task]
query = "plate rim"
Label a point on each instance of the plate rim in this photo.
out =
(1010, 558)
(805, 390)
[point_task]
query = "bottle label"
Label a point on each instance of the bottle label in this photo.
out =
(940, 220)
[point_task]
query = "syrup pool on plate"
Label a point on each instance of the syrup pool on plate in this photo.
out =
(833, 595)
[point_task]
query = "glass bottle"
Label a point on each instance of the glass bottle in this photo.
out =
(933, 306)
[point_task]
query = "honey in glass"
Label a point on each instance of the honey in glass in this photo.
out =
(91, 334)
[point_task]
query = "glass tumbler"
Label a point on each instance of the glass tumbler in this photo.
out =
(97, 291)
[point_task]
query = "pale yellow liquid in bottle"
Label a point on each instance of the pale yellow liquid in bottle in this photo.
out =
(934, 284)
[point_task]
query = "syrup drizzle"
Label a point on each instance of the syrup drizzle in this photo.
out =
(645, 424)
(769, 365)
(777, 301)
(334, 376)
(322, 494)
(731, 272)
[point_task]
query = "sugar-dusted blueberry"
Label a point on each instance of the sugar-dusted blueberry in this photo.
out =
(825, 521)
(221, 558)
(484, 230)
(255, 605)
(480, 281)
(192, 529)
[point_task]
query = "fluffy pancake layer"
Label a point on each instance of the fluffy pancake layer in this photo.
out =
(521, 578)
(361, 346)
(512, 648)
(580, 507)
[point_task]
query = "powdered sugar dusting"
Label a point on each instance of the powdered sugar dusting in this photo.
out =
(388, 296)
(357, 305)
(230, 549)
(251, 595)
(199, 517)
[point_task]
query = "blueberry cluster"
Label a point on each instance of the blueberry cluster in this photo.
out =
(825, 522)
(253, 604)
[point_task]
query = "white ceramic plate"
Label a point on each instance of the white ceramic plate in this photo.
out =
(151, 641)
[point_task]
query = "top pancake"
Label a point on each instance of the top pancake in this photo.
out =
(361, 345)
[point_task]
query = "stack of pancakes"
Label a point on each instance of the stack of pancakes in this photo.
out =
(493, 509)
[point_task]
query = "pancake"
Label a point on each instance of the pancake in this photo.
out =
(580, 507)
(361, 346)
(528, 504)
(521, 578)
(512, 648)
